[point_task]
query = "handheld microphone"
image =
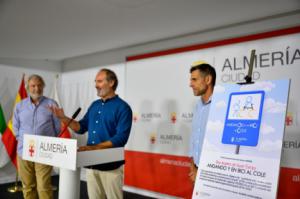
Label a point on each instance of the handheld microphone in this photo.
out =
(76, 113)
(73, 117)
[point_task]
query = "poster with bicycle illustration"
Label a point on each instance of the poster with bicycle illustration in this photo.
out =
(252, 117)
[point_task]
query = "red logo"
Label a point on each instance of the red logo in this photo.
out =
(289, 119)
(153, 138)
(135, 117)
(173, 117)
(31, 150)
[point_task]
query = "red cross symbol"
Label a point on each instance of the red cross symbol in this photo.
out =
(173, 119)
(31, 151)
(289, 120)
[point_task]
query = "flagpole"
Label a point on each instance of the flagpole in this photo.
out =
(16, 188)
(54, 188)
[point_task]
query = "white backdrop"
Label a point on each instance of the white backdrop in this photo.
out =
(158, 87)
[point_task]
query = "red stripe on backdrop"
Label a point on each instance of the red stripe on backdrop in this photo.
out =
(166, 174)
(289, 183)
(224, 42)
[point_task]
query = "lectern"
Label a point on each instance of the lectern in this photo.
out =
(62, 153)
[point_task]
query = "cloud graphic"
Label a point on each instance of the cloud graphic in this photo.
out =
(215, 126)
(209, 146)
(265, 85)
(271, 106)
(219, 89)
(221, 104)
(266, 129)
(268, 145)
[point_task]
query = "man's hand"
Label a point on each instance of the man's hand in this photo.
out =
(86, 148)
(102, 145)
(58, 112)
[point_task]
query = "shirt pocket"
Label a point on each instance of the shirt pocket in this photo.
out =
(44, 116)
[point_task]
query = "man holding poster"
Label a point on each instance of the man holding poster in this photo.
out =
(202, 81)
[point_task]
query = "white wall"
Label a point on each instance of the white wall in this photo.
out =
(232, 31)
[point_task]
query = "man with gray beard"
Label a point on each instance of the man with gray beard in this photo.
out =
(32, 116)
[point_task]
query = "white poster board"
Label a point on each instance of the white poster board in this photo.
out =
(254, 171)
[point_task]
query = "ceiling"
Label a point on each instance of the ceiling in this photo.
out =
(60, 29)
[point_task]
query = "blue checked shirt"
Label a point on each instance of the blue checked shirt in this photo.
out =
(29, 118)
(199, 121)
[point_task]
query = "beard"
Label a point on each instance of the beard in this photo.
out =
(200, 92)
(35, 96)
(102, 92)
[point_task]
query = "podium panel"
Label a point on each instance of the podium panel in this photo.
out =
(62, 153)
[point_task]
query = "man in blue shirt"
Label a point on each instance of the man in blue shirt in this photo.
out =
(108, 122)
(202, 81)
(31, 116)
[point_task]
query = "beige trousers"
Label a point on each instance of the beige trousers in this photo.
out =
(36, 179)
(105, 184)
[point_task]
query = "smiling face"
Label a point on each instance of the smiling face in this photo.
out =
(199, 83)
(36, 88)
(103, 86)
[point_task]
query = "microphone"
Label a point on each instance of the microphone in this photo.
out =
(75, 114)
(73, 117)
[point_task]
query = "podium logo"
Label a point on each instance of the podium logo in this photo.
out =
(31, 149)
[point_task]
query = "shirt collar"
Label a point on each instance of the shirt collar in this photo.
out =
(41, 99)
(109, 99)
(208, 101)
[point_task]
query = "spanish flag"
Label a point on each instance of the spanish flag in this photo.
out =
(8, 137)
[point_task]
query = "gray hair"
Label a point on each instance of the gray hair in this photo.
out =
(37, 77)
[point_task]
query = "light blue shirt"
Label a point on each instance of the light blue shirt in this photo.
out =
(199, 121)
(29, 118)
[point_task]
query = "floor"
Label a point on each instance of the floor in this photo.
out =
(4, 194)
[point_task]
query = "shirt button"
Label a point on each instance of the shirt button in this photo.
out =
(99, 112)
(97, 121)
(93, 142)
(94, 131)
(102, 104)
